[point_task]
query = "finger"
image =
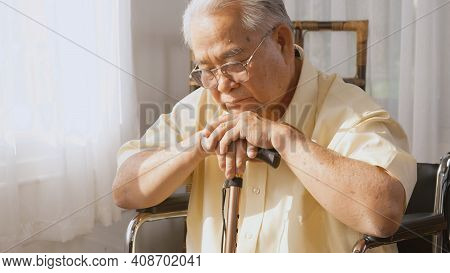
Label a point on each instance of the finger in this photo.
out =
(252, 151)
(229, 137)
(241, 156)
(213, 139)
(208, 147)
(230, 158)
(221, 159)
(211, 126)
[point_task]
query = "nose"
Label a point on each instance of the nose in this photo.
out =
(224, 84)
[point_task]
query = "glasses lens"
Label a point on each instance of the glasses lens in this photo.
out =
(208, 79)
(197, 77)
(204, 78)
(236, 72)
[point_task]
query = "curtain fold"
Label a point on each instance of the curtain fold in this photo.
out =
(60, 117)
(425, 85)
(408, 58)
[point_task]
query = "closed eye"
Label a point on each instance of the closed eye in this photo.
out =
(229, 61)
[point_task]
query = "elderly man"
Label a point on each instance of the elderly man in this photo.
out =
(345, 168)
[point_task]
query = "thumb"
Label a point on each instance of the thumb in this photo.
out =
(252, 151)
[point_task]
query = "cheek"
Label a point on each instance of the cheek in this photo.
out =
(215, 94)
(266, 82)
(259, 90)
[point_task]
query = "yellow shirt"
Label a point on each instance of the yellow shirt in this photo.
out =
(277, 213)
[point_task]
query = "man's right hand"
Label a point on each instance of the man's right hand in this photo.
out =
(233, 162)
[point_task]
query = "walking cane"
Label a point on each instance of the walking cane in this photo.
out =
(234, 185)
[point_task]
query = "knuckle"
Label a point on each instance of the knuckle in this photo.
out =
(226, 136)
(222, 145)
(239, 163)
(221, 160)
(250, 114)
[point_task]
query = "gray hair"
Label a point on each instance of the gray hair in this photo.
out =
(256, 15)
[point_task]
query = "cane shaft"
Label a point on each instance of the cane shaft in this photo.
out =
(232, 219)
(234, 186)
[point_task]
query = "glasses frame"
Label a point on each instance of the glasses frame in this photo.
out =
(243, 63)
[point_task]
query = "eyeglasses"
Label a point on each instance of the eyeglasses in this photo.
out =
(235, 71)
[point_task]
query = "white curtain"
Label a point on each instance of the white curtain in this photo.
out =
(408, 68)
(61, 119)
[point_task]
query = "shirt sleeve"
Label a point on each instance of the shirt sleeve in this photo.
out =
(351, 123)
(168, 129)
(380, 141)
(161, 134)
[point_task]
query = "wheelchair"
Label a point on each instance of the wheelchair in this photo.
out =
(424, 228)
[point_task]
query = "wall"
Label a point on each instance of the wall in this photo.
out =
(161, 66)
(153, 57)
(161, 60)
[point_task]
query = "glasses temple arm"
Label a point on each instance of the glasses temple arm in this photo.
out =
(254, 52)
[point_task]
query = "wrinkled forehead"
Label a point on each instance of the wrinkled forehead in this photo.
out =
(219, 36)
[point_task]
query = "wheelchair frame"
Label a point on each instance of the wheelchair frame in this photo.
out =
(413, 226)
(422, 224)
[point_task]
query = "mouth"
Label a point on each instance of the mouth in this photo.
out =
(237, 102)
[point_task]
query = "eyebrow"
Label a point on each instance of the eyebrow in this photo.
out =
(226, 55)
(231, 53)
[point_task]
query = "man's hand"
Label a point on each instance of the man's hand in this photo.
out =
(233, 162)
(236, 138)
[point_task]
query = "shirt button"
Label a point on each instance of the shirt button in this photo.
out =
(256, 190)
(248, 236)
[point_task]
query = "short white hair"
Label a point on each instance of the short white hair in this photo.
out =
(255, 15)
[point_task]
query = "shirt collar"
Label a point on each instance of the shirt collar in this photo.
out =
(301, 110)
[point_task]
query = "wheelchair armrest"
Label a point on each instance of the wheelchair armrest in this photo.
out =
(413, 226)
(176, 202)
(173, 207)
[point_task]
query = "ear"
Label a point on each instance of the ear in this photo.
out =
(284, 39)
